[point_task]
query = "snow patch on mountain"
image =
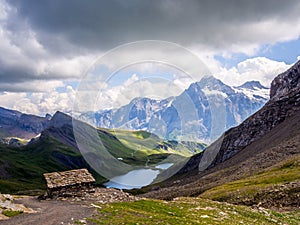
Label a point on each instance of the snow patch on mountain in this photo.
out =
(209, 92)
(202, 112)
(254, 90)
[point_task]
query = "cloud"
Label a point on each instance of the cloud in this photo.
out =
(24, 58)
(45, 43)
(160, 87)
(39, 103)
(50, 100)
(28, 60)
(259, 69)
(50, 40)
(32, 86)
(151, 87)
(105, 24)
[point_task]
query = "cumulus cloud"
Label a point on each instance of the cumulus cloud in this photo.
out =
(134, 86)
(50, 100)
(39, 103)
(59, 39)
(258, 69)
(46, 43)
(153, 86)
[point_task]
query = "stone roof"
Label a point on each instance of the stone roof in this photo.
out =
(70, 177)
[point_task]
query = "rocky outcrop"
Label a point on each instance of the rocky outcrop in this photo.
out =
(60, 119)
(286, 83)
(7, 204)
(284, 102)
(60, 127)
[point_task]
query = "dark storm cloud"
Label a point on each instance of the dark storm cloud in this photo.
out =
(57, 39)
(105, 24)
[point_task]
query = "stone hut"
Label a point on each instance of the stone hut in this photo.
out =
(69, 183)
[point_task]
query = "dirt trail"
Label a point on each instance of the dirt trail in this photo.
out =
(51, 212)
(66, 210)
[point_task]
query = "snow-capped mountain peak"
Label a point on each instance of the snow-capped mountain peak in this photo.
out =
(253, 85)
(254, 90)
(202, 112)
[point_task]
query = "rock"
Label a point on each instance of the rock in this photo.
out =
(204, 216)
(286, 83)
(7, 203)
(2, 217)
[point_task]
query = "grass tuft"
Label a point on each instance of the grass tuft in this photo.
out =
(11, 213)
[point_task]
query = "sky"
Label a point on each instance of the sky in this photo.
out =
(49, 48)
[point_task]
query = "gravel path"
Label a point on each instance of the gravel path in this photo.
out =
(51, 212)
(66, 210)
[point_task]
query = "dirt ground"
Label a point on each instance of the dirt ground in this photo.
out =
(51, 212)
(65, 210)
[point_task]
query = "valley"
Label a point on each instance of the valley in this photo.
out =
(22, 167)
(164, 112)
(250, 174)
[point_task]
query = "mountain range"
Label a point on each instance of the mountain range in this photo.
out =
(56, 149)
(255, 163)
(52, 137)
(202, 112)
(16, 124)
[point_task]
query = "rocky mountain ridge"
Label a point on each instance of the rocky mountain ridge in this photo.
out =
(287, 83)
(16, 124)
(203, 111)
(284, 102)
(256, 163)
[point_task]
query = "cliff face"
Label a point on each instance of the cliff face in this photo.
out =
(17, 124)
(284, 102)
(286, 83)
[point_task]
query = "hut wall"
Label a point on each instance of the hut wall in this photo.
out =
(76, 190)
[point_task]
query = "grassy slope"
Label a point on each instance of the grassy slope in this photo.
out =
(136, 148)
(274, 186)
(148, 143)
(264, 188)
(280, 145)
(189, 211)
(25, 166)
(133, 151)
(22, 168)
